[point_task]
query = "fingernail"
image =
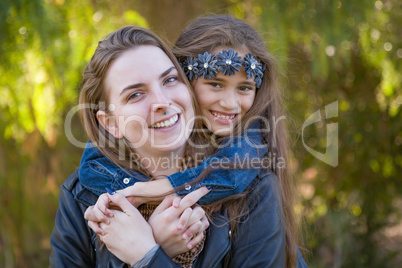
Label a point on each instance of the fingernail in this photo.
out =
(185, 236)
(180, 226)
(190, 246)
(110, 191)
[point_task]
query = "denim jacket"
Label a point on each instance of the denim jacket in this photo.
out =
(97, 172)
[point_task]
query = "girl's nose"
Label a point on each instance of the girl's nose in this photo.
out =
(229, 101)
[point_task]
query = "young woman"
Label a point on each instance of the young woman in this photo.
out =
(235, 80)
(132, 83)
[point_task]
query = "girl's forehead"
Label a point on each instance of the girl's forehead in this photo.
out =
(241, 51)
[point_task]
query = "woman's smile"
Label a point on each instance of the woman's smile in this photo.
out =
(167, 124)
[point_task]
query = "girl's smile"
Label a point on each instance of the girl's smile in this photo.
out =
(224, 99)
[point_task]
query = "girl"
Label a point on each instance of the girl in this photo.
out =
(236, 82)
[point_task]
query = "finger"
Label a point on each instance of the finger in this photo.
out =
(198, 214)
(195, 240)
(135, 201)
(165, 204)
(192, 230)
(93, 214)
(103, 205)
(176, 201)
(193, 197)
(89, 214)
(128, 191)
(205, 224)
(184, 218)
(100, 216)
(121, 202)
(96, 227)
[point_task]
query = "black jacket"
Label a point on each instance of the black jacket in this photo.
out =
(258, 242)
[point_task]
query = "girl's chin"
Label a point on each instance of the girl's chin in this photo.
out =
(222, 131)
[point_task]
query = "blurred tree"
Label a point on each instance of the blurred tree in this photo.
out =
(351, 53)
(44, 46)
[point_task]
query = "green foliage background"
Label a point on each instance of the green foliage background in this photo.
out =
(345, 51)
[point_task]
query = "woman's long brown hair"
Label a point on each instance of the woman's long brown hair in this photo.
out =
(94, 95)
(208, 33)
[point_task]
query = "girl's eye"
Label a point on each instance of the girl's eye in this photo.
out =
(135, 95)
(245, 88)
(170, 79)
(216, 85)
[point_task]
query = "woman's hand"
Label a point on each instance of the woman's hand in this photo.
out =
(102, 210)
(128, 236)
(175, 221)
(137, 194)
(99, 213)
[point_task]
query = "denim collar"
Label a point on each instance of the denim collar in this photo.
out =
(96, 172)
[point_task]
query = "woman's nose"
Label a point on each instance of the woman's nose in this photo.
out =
(161, 107)
(161, 101)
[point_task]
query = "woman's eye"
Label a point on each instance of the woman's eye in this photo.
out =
(170, 80)
(134, 95)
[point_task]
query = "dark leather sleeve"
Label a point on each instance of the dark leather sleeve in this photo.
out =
(260, 238)
(70, 240)
(161, 259)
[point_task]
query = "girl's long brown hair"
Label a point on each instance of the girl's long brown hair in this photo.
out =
(208, 33)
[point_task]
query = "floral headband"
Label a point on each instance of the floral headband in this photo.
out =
(227, 61)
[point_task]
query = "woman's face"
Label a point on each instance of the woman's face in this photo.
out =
(150, 106)
(225, 99)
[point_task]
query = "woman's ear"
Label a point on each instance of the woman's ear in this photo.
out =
(109, 123)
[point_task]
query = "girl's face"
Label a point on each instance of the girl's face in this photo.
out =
(150, 105)
(225, 99)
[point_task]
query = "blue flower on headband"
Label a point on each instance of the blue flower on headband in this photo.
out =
(254, 69)
(207, 65)
(190, 67)
(228, 62)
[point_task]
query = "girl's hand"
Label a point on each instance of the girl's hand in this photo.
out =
(128, 236)
(175, 221)
(152, 191)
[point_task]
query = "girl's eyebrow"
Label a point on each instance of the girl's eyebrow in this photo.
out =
(248, 83)
(133, 86)
(217, 79)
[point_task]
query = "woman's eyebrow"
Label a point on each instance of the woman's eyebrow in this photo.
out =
(167, 72)
(142, 84)
(131, 87)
